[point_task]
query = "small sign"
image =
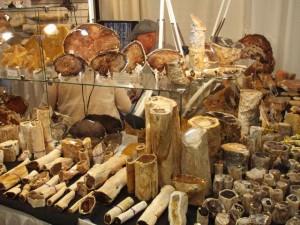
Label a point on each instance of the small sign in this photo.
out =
(12, 72)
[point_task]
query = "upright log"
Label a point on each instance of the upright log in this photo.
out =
(43, 115)
(212, 126)
(163, 136)
(249, 109)
(146, 177)
(195, 156)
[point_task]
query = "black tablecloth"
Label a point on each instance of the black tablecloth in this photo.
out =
(50, 215)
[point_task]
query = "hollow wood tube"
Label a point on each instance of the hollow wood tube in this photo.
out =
(40, 162)
(196, 156)
(130, 175)
(130, 213)
(75, 206)
(24, 193)
(146, 177)
(87, 205)
(118, 209)
(111, 188)
(98, 174)
(64, 202)
(157, 206)
(56, 196)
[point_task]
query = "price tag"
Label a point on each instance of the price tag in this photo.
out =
(12, 73)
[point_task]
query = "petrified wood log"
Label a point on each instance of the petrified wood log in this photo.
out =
(193, 186)
(248, 109)
(9, 132)
(276, 149)
(195, 156)
(122, 218)
(70, 148)
(157, 206)
(230, 126)
(99, 173)
(39, 163)
(43, 115)
(294, 120)
(56, 196)
(64, 202)
(212, 126)
(118, 209)
(76, 205)
(235, 154)
(177, 209)
(10, 150)
(136, 126)
(163, 136)
(146, 177)
(87, 205)
(106, 194)
(24, 193)
(13, 192)
(130, 175)
(32, 138)
(13, 177)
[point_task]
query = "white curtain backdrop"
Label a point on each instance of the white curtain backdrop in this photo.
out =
(277, 20)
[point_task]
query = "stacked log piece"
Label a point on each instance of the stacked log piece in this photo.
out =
(212, 126)
(163, 136)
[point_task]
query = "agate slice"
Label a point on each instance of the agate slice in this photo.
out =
(109, 62)
(69, 65)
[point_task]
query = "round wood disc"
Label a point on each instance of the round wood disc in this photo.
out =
(109, 61)
(159, 58)
(88, 40)
(136, 55)
(69, 65)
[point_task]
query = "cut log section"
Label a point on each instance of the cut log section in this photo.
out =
(249, 109)
(70, 148)
(294, 120)
(130, 213)
(195, 156)
(276, 149)
(99, 173)
(146, 177)
(9, 132)
(193, 186)
(130, 176)
(177, 209)
(230, 126)
(43, 115)
(163, 136)
(118, 209)
(236, 154)
(157, 206)
(212, 125)
(111, 188)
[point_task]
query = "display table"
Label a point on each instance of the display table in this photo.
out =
(15, 212)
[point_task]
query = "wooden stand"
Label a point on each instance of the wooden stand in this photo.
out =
(212, 126)
(146, 177)
(163, 136)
